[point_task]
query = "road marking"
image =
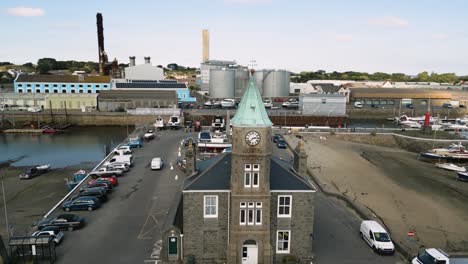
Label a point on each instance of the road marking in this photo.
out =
(143, 232)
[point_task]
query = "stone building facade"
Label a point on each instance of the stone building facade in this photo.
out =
(247, 206)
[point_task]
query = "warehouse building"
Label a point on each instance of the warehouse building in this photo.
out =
(118, 100)
(383, 97)
(54, 84)
(183, 93)
(322, 104)
(80, 102)
(143, 71)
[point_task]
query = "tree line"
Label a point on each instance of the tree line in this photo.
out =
(424, 76)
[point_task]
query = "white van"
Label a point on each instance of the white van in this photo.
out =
(127, 159)
(157, 164)
(376, 236)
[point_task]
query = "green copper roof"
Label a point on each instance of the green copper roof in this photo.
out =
(251, 111)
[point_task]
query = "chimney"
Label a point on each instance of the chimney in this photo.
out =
(132, 61)
(100, 35)
(190, 159)
(300, 159)
(147, 60)
(206, 45)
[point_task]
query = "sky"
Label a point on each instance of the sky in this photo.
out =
(297, 35)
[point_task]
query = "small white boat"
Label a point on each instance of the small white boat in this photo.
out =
(267, 103)
(43, 167)
(160, 123)
(228, 103)
(450, 167)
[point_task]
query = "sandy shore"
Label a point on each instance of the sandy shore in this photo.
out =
(28, 200)
(406, 193)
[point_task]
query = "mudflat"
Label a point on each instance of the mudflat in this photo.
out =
(407, 194)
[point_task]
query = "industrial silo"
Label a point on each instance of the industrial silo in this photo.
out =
(222, 83)
(276, 83)
(258, 78)
(242, 79)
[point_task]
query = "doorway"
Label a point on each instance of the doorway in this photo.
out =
(250, 252)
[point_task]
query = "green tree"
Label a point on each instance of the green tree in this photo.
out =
(29, 64)
(423, 77)
(46, 64)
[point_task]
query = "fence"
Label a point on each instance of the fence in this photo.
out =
(155, 111)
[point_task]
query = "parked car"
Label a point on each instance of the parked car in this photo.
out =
(374, 106)
(279, 100)
(280, 143)
(410, 106)
(99, 193)
(149, 135)
(68, 222)
(447, 105)
(101, 184)
(50, 231)
(118, 166)
(82, 203)
(34, 109)
(111, 180)
(135, 144)
(227, 150)
(358, 105)
(276, 137)
(157, 164)
(126, 149)
(376, 237)
(293, 105)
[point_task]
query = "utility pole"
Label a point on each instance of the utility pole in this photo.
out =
(6, 211)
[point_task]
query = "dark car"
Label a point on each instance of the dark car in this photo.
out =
(447, 105)
(68, 222)
(276, 137)
(374, 106)
(410, 106)
(82, 203)
(32, 172)
(99, 193)
(100, 184)
(281, 143)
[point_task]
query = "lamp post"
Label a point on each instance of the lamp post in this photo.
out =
(6, 211)
(181, 246)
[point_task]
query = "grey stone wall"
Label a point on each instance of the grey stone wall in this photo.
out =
(205, 238)
(301, 225)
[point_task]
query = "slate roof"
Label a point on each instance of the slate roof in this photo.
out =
(151, 85)
(215, 174)
(137, 94)
(62, 78)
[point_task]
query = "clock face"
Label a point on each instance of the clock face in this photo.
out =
(252, 138)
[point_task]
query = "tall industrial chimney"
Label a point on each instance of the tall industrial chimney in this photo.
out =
(206, 45)
(132, 60)
(147, 60)
(100, 35)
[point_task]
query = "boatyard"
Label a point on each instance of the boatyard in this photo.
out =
(407, 194)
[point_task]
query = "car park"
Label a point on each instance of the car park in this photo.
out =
(50, 231)
(68, 222)
(82, 203)
(157, 164)
(376, 237)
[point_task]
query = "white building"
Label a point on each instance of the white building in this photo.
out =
(143, 71)
(302, 88)
(322, 104)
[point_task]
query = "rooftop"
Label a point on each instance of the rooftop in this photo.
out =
(137, 94)
(62, 78)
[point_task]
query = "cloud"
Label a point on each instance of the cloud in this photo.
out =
(25, 11)
(389, 21)
(247, 1)
(439, 36)
(342, 37)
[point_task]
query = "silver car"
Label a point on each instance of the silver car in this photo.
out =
(53, 231)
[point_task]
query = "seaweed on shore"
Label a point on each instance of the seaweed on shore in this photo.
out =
(10, 161)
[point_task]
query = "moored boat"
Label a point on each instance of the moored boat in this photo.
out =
(450, 167)
(462, 176)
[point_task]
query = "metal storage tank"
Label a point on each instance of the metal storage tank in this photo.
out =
(242, 80)
(222, 83)
(258, 78)
(276, 83)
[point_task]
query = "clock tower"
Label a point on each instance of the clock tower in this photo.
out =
(250, 181)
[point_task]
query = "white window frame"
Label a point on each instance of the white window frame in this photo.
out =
(215, 205)
(282, 241)
(249, 171)
(258, 210)
(243, 205)
(289, 205)
(256, 167)
(255, 179)
(247, 179)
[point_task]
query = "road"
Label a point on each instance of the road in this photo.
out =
(336, 231)
(126, 228)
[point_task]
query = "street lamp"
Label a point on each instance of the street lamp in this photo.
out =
(6, 211)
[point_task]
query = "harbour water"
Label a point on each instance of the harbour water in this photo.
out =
(78, 145)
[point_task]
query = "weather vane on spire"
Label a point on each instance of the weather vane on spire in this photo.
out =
(251, 66)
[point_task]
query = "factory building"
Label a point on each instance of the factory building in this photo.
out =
(53, 84)
(322, 104)
(82, 102)
(144, 71)
(118, 100)
(183, 93)
(382, 97)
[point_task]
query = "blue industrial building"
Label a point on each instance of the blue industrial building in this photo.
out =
(61, 84)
